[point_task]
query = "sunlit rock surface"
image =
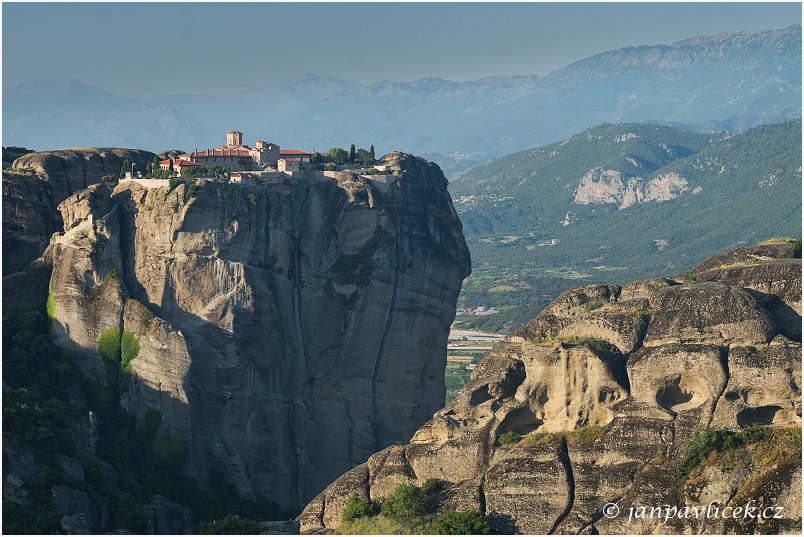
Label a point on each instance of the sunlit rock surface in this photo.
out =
(604, 386)
(285, 337)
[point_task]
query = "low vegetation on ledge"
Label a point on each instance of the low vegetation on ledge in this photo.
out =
(409, 510)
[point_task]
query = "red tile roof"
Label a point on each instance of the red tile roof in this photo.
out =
(294, 152)
(290, 159)
(186, 164)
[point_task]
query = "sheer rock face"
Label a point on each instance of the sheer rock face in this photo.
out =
(600, 185)
(285, 337)
(35, 186)
(605, 385)
(29, 219)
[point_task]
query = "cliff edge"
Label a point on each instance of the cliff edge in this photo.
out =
(284, 335)
(681, 392)
(38, 182)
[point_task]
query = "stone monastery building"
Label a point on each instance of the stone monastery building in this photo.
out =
(235, 156)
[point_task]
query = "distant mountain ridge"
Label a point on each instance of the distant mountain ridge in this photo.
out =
(729, 81)
(49, 114)
(55, 113)
(548, 218)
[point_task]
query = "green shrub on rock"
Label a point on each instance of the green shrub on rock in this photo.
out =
(460, 523)
(699, 445)
(119, 348)
(357, 507)
(129, 349)
(795, 251)
(51, 306)
(405, 502)
(109, 345)
(409, 510)
(509, 439)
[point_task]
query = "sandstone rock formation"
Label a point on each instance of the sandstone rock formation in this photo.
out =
(35, 186)
(604, 387)
(600, 185)
(285, 337)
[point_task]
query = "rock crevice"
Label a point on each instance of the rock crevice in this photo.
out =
(604, 387)
(289, 337)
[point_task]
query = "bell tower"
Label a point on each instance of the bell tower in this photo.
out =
(234, 138)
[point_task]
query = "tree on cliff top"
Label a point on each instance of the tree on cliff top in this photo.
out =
(338, 155)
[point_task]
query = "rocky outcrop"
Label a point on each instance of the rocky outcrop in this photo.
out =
(77, 506)
(29, 219)
(35, 186)
(70, 170)
(602, 389)
(284, 337)
(166, 518)
(79, 515)
(600, 185)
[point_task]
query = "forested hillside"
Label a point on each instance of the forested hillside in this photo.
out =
(538, 222)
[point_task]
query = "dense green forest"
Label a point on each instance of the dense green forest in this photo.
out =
(742, 189)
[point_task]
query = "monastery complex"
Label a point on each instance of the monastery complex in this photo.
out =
(236, 157)
(265, 164)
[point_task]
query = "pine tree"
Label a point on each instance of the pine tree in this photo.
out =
(126, 167)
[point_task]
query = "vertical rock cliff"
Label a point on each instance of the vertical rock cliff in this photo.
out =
(597, 409)
(285, 336)
(35, 186)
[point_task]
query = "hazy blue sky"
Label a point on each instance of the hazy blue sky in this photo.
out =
(142, 49)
